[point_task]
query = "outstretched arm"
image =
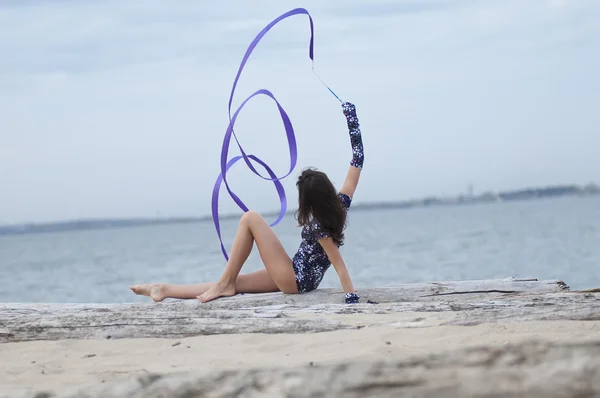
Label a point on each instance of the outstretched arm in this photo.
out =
(334, 255)
(358, 155)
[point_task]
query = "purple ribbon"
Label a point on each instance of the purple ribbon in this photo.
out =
(287, 124)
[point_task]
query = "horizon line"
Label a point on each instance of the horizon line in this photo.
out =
(463, 198)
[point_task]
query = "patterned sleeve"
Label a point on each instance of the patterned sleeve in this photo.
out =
(358, 153)
(319, 232)
(346, 200)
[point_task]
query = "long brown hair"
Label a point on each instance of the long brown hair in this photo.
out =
(318, 200)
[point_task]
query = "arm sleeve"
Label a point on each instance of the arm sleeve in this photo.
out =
(358, 155)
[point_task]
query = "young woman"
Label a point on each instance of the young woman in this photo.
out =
(322, 214)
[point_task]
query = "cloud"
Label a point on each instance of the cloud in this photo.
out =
(118, 108)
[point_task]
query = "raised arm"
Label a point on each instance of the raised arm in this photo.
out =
(358, 155)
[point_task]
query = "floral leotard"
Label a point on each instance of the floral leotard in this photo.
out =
(310, 261)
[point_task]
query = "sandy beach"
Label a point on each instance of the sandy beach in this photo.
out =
(75, 364)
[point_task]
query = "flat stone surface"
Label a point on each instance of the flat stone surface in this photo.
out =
(476, 301)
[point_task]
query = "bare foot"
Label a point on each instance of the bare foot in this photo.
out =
(155, 291)
(216, 291)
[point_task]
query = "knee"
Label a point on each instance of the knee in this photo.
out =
(250, 217)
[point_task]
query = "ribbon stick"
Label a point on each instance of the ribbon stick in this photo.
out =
(330, 90)
(249, 159)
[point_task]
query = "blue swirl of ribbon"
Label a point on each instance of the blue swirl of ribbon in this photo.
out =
(289, 130)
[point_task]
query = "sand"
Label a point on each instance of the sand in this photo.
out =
(74, 364)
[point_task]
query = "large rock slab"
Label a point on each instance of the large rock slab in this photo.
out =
(531, 370)
(476, 301)
(55, 322)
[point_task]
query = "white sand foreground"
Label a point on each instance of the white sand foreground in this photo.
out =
(74, 364)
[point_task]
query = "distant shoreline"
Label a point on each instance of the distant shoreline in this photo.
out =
(486, 197)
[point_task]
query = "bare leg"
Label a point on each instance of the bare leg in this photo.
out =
(161, 291)
(254, 228)
(278, 275)
(254, 282)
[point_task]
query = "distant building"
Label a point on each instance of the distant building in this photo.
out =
(489, 197)
(591, 189)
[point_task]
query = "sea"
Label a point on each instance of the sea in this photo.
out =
(555, 238)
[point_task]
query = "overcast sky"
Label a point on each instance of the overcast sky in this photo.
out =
(118, 108)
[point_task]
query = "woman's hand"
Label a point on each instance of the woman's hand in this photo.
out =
(349, 109)
(351, 298)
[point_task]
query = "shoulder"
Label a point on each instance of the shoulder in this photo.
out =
(318, 231)
(315, 226)
(345, 199)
